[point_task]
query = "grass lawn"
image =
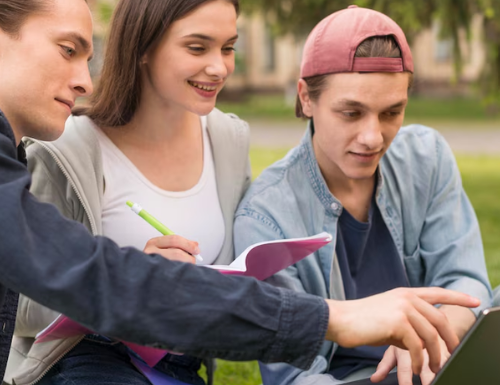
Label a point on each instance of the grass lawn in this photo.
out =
(481, 179)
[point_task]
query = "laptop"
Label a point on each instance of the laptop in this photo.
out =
(476, 361)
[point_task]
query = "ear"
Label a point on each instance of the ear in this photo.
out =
(144, 59)
(305, 100)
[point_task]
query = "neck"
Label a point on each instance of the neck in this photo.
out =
(154, 127)
(341, 186)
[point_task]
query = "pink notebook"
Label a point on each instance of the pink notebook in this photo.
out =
(261, 261)
(265, 259)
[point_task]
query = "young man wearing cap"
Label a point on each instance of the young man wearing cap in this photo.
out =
(391, 195)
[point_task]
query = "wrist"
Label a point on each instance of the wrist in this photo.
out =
(336, 321)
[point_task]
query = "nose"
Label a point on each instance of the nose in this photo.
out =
(82, 81)
(217, 66)
(371, 134)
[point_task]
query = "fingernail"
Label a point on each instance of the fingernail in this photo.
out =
(197, 250)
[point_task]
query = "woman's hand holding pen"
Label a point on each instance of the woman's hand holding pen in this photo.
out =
(173, 247)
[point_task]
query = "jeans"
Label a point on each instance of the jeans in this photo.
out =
(96, 360)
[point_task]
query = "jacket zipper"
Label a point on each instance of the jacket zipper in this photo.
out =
(70, 348)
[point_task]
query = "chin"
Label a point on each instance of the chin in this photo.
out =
(201, 110)
(48, 132)
(360, 174)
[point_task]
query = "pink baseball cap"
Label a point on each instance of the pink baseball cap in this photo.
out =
(331, 45)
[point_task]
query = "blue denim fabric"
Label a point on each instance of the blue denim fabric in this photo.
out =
(97, 360)
(421, 200)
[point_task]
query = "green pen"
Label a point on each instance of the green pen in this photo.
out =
(154, 222)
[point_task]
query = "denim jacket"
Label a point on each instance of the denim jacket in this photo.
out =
(422, 202)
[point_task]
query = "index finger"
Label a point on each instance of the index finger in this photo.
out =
(438, 295)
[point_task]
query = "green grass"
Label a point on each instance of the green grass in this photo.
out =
(419, 110)
(259, 107)
(447, 109)
(481, 180)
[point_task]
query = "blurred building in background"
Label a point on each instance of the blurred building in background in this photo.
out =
(266, 63)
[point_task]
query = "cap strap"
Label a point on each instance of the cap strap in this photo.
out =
(377, 64)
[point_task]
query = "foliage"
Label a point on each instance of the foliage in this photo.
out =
(300, 16)
(105, 11)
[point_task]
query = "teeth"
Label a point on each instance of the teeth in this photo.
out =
(203, 87)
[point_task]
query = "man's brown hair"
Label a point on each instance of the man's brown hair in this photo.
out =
(13, 13)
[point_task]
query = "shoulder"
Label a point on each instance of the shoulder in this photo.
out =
(229, 125)
(416, 138)
(418, 146)
(77, 150)
(275, 184)
(418, 163)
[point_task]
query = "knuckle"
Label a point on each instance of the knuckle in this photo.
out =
(177, 253)
(432, 335)
(441, 319)
(151, 242)
(175, 237)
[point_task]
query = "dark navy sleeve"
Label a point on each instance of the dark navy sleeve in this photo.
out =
(142, 298)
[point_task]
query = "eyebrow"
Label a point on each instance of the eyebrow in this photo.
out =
(208, 38)
(84, 43)
(354, 103)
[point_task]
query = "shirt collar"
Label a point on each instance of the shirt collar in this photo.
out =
(6, 129)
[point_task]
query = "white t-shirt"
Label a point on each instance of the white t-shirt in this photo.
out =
(194, 214)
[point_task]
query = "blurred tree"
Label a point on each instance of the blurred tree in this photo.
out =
(104, 9)
(490, 77)
(300, 16)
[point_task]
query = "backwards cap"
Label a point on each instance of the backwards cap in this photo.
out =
(331, 45)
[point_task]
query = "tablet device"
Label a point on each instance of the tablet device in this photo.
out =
(475, 361)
